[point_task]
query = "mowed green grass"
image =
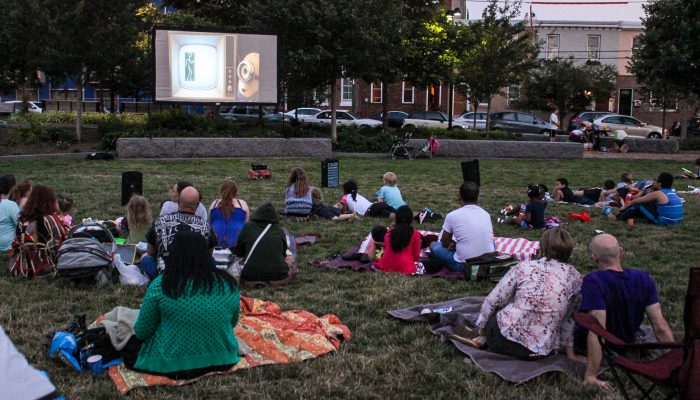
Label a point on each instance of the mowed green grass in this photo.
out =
(384, 358)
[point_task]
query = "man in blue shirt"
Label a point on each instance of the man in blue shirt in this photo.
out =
(619, 299)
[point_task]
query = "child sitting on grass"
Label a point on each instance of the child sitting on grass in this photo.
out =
(530, 215)
(692, 174)
(65, 204)
(390, 193)
(324, 211)
(402, 245)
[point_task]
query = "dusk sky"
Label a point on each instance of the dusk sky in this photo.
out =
(630, 12)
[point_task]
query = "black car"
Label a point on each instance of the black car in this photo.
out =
(521, 122)
(585, 115)
(395, 118)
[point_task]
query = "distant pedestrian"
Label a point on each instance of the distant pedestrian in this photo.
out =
(554, 124)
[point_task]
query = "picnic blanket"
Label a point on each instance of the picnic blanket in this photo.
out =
(465, 311)
(522, 249)
(270, 336)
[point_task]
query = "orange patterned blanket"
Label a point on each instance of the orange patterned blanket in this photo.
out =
(273, 336)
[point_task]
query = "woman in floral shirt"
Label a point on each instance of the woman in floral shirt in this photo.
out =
(528, 314)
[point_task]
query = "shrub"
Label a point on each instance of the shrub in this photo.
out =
(691, 143)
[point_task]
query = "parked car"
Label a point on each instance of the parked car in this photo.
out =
(430, 119)
(343, 118)
(303, 112)
(242, 113)
(608, 124)
(521, 122)
(395, 118)
(585, 115)
(277, 117)
(468, 118)
(16, 106)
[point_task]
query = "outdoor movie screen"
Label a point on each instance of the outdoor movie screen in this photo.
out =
(215, 67)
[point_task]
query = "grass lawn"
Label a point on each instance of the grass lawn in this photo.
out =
(385, 358)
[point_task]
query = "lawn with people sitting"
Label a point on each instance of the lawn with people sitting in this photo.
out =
(384, 358)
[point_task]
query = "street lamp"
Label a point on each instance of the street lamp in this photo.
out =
(452, 16)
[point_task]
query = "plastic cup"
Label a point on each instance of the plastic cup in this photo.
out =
(95, 364)
(630, 222)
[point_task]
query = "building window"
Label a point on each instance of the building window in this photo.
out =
(375, 89)
(552, 47)
(513, 93)
(656, 104)
(346, 91)
(408, 96)
(593, 47)
(636, 43)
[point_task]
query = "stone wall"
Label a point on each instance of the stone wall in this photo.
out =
(505, 149)
(222, 147)
(666, 146)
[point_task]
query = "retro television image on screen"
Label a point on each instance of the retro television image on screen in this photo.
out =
(215, 67)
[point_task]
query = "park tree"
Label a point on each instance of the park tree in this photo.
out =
(560, 83)
(666, 62)
(21, 46)
(494, 54)
(82, 40)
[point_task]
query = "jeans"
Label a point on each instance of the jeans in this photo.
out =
(149, 265)
(446, 256)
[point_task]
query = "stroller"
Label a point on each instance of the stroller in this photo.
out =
(88, 252)
(427, 149)
(399, 147)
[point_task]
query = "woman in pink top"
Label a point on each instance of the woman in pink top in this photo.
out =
(528, 314)
(401, 245)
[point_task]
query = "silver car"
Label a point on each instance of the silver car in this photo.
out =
(468, 118)
(608, 124)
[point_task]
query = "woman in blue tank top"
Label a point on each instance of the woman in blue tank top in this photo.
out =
(227, 215)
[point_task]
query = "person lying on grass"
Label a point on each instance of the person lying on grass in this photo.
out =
(528, 314)
(188, 314)
(619, 299)
(402, 245)
(353, 202)
(328, 212)
(662, 206)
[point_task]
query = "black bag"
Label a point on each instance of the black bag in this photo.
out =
(488, 266)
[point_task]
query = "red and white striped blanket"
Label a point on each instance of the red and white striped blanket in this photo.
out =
(522, 249)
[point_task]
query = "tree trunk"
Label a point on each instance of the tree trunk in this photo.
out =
(334, 130)
(450, 90)
(79, 115)
(663, 119)
(385, 107)
(488, 119)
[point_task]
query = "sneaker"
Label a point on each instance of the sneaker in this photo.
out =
(421, 217)
(435, 216)
(607, 210)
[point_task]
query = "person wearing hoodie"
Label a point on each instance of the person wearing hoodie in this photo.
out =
(272, 262)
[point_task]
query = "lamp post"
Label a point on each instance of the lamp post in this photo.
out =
(452, 16)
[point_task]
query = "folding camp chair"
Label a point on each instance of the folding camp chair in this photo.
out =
(678, 370)
(399, 147)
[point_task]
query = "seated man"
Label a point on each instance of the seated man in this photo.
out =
(663, 206)
(618, 298)
(466, 233)
(166, 226)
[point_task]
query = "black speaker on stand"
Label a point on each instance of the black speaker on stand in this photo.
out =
(132, 182)
(470, 171)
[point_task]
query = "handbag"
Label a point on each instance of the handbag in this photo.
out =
(237, 267)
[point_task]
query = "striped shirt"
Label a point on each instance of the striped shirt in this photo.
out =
(670, 213)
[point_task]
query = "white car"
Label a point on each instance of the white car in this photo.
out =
(634, 128)
(343, 118)
(430, 119)
(302, 113)
(17, 105)
(468, 118)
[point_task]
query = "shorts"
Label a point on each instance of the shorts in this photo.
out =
(380, 210)
(593, 194)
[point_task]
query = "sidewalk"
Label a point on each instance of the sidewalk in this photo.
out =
(680, 156)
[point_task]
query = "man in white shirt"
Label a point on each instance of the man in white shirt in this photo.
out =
(554, 125)
(466, 233)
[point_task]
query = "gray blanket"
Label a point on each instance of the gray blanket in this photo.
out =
(466, 311)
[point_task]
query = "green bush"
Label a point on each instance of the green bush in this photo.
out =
(691, 143)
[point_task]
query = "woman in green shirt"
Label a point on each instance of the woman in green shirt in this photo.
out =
(188, 314)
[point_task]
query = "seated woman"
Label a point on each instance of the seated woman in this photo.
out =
(9, 213)
(402, 245)
(170, 206)
(227, 215)
(297, 195)
(270, 262)
(188, 314)
(137, 220)
(528, 314)
(40, 233)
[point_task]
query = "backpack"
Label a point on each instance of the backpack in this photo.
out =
(32, 256)
(83, 255)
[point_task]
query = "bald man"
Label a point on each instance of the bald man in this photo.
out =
(166, 226)
(619, 298)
